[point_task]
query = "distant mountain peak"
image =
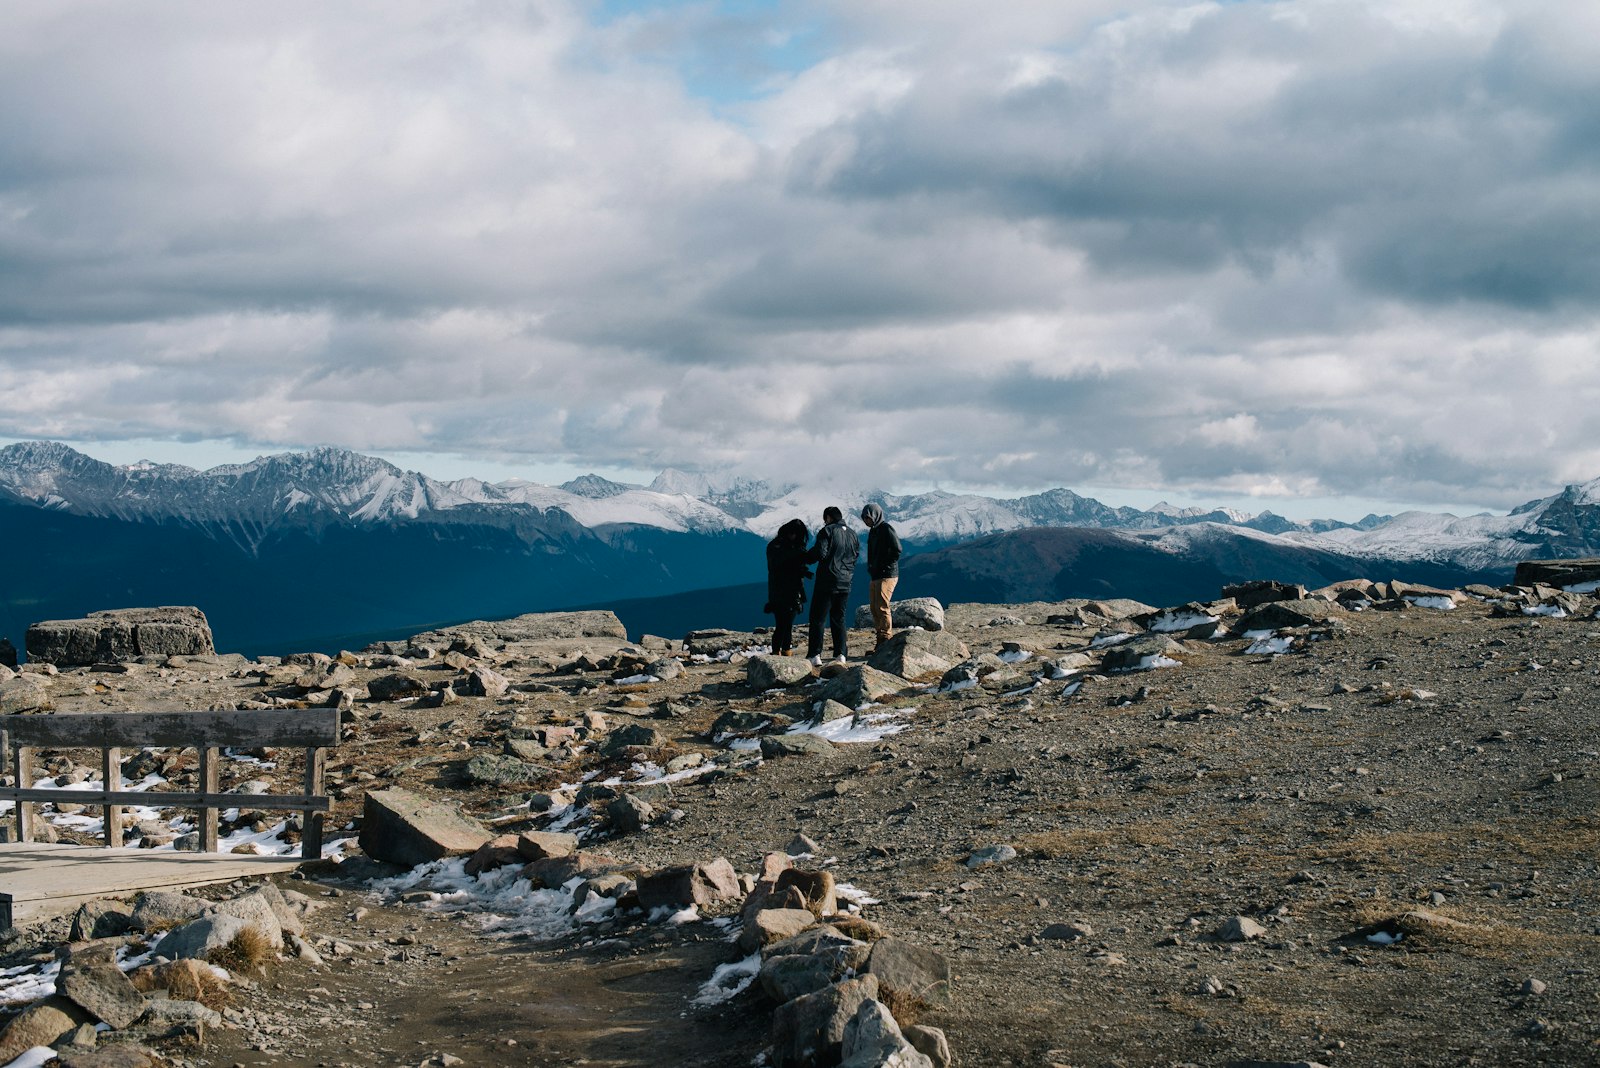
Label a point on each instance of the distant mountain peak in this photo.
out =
(594, 487)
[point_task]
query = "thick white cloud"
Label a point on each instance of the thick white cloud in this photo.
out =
(1313, 247)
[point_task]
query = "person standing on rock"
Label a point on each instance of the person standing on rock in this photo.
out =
(835, 553)
(786, 582)
(883, 568)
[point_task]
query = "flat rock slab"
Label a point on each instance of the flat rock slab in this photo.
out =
(121, 634)
(53, 880)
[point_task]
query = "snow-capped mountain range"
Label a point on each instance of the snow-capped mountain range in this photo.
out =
(326, 487)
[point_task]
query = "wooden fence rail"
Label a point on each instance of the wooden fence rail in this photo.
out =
(314, 729)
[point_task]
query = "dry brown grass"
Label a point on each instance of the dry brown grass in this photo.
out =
(248, 951)
(199, 986)
(906, 1008)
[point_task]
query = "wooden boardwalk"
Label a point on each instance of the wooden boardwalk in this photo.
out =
(39, 881)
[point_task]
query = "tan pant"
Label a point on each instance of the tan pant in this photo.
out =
(882, 617)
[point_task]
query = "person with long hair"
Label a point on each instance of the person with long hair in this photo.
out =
(786, 587)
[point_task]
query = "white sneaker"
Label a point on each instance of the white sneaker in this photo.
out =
(815, 661)
(838, 660)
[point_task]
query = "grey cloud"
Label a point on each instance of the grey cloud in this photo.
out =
(1254, 244)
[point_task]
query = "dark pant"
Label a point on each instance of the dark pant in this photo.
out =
(829, 602)
(783, 630)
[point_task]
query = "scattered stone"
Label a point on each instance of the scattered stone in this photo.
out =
(768, 926)
(500, 769)
(628, 814)
(1239, 929)
(396, 685)
(1067, 932)
(774, 746)
(990, 856)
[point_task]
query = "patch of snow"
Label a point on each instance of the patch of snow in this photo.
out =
(854, 896)
(1554, 611)
(1582, 587)
(1384, 938)
(1174, 621)
(959, 685)
(1156, 660)
(1016, 656)
(1435, 601)
(1071, 688)
(501, 901)
(33, 1057)
(728, 981)
(1106, 640)
(635, 680)
(1270, 646)
(863, 727)
(28, 982)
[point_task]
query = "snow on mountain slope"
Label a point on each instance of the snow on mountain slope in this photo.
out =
(629, 505)
(244, 502)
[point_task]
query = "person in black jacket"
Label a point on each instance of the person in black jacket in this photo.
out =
(835, 553)
(786, 585)
(883, 568)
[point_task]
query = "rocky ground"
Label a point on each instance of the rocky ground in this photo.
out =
(1378, 845)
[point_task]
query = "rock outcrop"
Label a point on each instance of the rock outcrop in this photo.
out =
(121, 635)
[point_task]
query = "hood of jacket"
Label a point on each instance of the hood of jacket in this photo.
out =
(872, 515)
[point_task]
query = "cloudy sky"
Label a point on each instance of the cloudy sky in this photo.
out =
(1325, 251)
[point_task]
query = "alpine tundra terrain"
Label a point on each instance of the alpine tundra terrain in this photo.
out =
(1353, 827)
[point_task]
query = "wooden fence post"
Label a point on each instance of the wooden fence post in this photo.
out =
(111, 780)
(210, 783)
(311, 822)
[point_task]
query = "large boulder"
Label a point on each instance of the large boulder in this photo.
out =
(103, 991)
(200, 938)
(924, 612)
(809, 1030)
(402, 828)
(689, 884)
(40, 1024)
(25, 693)
(911, 971)
(872, 1039)
(120, 635)
(534, 626)
(859, 685)
(912, 654)
(772, 672)
(1276, 615)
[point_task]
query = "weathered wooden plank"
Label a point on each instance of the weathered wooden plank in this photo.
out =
(96, 730)
(265, 802)
(111, 776)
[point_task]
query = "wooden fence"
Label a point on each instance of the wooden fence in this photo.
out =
(313, 729)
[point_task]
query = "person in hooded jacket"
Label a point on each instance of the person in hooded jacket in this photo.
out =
(883, 568)
(835, 553)
(786, 586)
